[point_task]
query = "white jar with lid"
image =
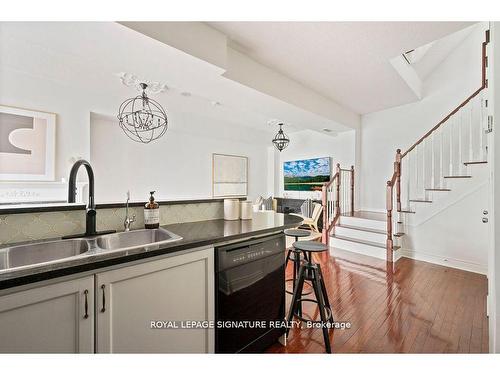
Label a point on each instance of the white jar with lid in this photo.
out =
(231, 209)
(246, 210)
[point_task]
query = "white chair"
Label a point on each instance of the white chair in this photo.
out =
(312, 222)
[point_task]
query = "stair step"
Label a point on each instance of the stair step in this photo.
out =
(370, 221)
(475, 162)
(457, 176)
(407, 211)
(420, 200)
(437, 189)
(364, 242)
(356, 240)
(365, 229)
(368, 215)
(360, 246)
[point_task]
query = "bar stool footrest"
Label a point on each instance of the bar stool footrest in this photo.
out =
(303, 294)
(327, 309)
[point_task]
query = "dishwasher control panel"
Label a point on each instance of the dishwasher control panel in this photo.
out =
(249, 251)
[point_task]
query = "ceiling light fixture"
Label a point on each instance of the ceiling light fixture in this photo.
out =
(131, 80)
(141, 118)
(281, 140)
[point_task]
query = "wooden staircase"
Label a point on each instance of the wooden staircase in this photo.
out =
(449, 151)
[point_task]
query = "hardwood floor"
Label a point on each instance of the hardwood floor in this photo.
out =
(415, 307)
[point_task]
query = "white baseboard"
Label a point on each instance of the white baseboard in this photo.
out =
(445, 261)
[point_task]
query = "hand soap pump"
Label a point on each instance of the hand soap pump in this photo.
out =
(151, 213)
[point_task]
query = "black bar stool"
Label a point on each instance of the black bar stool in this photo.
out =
(296, 233)
(310, 271)
(295, 256)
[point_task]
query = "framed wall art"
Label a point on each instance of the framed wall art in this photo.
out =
(27, 145)
(229, 175)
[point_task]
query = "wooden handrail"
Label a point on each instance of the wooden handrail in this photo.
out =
(484, 84)
(329, 183)
(329, 225)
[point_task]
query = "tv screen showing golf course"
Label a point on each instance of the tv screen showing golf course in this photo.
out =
(306, 175)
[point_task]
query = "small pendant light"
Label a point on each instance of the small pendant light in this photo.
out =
(281, 140)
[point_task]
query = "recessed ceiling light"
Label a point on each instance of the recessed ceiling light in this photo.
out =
(185, 93)
(215, 103)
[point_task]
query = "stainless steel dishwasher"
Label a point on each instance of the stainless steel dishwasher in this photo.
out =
(250, 287)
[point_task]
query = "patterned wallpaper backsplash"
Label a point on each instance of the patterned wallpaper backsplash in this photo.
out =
(37, 226)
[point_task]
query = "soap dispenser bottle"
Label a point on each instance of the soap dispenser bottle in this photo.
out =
(151, 213)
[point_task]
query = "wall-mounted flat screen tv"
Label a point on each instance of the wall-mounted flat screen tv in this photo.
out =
(306, 175)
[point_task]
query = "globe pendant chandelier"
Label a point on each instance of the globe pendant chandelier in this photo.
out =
(142, 119)
(281, 140)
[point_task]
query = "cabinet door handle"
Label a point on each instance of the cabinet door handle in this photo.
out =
(86, 293)
(103, 287)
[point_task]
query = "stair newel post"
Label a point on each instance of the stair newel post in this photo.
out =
(397, 167)
(352, 190)
(324, 203)
(337, 195)
(389, 244)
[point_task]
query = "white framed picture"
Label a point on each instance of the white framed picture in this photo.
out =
(229, 175)
(27, 145)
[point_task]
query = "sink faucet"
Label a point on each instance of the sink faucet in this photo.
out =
(128, 220)
(90, 222)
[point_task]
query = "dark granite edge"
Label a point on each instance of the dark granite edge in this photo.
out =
(166, 249)
(75, 207)
(35, 209)
(172, 202)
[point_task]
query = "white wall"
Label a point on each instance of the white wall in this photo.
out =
(177, 166)
(494, 256)
(310, 144)
(450, 231)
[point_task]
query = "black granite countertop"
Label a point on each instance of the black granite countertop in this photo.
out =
(194, 234)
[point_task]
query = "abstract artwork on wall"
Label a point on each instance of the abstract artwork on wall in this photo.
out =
(229, 175)
(27, 145)
(306, 175)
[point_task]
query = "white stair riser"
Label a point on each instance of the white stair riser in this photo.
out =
(360, 234)
(359, 248)
(399, 228)
(358, 222)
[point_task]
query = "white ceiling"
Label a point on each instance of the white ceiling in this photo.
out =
(347, 62)
(88, 56)
(437, 51)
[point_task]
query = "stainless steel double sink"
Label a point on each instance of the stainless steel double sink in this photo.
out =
(53, 251)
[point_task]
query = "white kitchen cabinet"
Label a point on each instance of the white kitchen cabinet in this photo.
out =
(178, 288)
(49, 319)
